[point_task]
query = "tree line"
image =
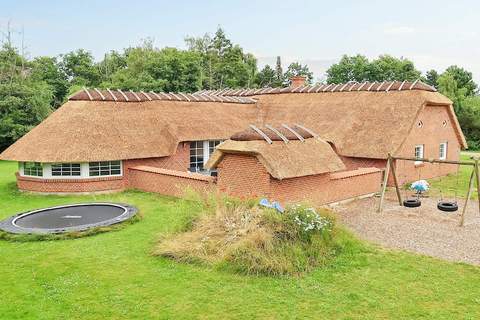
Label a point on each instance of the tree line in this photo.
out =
(30, 89)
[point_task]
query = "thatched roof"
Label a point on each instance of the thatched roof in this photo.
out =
(362, 120)
(284, 160)
(107, 130)
(360, 124)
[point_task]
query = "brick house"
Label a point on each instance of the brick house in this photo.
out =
(335, 147)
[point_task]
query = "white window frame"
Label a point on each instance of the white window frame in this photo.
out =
(21, 169)
(421, 154)
(443, 156)
(84, 172)
(107, 175)
(206, 154)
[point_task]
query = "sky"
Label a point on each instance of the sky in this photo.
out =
(433, 34)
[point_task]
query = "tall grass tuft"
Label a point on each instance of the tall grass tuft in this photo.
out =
(241, 236)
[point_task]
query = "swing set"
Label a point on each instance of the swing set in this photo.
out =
(442, 205)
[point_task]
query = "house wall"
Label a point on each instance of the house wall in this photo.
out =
(245, 177)
(169, 182)
(70, 185)
(431, 134)
(242, 176)
(179, 161)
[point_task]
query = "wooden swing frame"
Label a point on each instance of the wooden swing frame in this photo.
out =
(390, 169)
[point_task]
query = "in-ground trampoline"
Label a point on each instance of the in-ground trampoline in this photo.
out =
(68, 218)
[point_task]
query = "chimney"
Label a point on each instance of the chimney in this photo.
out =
(297, 81)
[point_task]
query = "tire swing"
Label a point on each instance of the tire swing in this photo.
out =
(412, 201)
(445, 205)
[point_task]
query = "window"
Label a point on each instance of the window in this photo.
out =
(200, 152)
(32, 169)
(443, 151)
(420, 124)
(196, 156)
(105, 168)
(418, 153)
(65, 169)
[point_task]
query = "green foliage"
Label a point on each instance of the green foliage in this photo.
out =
(384, 68)
(223, 63)
(23, 104)
(148, 68)
(47, 69)
(431, 78)
(80, 68)
(266, 77)
(464, 79)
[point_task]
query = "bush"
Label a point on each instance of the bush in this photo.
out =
(249, 239)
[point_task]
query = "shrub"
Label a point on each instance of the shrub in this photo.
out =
(249, 239)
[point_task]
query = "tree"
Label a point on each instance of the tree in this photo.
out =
(80, 68)
(448, 86)
(464, 79)
(47, 69)
(279, 79)
(224, 64)
(297, 69)
(354, 68)
(388, 68)
(384, 68)
(431, 78)
(148, 68)
(469, 118)
(266, 77)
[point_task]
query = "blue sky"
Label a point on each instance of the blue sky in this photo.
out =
(434, 34)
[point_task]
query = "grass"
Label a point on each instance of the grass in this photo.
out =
(248, 239)
(449, 186)
(115, 276)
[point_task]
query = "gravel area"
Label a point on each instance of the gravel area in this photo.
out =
(424, 230)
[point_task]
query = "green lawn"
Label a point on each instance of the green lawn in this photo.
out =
(114, 276)
(449, 185)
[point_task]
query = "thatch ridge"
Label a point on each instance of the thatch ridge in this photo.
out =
(117, 95)
(385, 86)
(284, 160)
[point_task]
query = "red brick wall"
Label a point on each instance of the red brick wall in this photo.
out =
(169, 182)
(69, 185)
(244, 176)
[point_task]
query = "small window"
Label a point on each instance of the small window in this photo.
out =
(444, 123)
(418, 153)
(66, 170)
(105, 168)
(33, 169)
(420, 124)
(443, 151)
(196, 156)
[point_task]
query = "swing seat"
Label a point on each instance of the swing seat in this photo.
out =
(412, 203)
(447, 206)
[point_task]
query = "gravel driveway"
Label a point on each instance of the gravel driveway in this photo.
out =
(424, 230)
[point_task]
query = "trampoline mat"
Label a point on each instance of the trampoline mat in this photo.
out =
(68, 218)
(57, 218)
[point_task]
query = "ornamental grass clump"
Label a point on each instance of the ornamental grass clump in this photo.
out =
(249, 239)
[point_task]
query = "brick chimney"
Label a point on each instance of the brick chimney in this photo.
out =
(297, 81)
